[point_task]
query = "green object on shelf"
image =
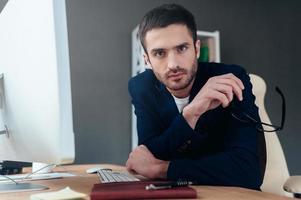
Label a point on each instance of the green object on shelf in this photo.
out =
(204, 54)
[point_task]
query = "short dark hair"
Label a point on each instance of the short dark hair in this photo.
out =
(164, 16)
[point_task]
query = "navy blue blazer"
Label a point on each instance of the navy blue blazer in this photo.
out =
(221, 150)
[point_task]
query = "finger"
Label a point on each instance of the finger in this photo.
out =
(144, 149)
(136, 150)
(132, 171)
(142, 146)
(224, 88)
(221, 97)
(235, 87)
(236, 79)
(139, 150)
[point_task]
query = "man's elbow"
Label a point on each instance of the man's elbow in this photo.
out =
(254, 184)
(253, 179)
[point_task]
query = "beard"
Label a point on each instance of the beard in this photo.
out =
(178, 78)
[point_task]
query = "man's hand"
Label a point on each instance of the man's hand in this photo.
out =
(142, 161)
(218, 90)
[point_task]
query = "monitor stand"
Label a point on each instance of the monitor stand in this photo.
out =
(41, 168)
(21, 187)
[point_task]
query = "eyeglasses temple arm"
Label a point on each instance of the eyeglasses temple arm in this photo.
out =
(283, 106)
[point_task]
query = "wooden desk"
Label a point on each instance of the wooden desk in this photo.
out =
(84, 182)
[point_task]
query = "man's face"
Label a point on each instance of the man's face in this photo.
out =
(172, 55)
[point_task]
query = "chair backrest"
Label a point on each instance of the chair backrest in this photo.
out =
(276, 172)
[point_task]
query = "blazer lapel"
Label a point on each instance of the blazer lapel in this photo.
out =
(166, 104)
(199, 81)
(165, 101)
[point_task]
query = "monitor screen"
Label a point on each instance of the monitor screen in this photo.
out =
(35, 99)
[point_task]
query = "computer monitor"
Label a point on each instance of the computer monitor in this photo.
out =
(35, 89)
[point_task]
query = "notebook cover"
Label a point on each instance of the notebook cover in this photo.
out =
(136, 190)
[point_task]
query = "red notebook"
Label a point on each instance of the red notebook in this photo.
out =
(136, 190)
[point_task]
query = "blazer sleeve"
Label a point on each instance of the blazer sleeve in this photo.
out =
(239, 163)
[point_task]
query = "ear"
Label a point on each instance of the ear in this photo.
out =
(147, 61)
(197, 48)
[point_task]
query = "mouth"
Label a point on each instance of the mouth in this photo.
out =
(177, 75)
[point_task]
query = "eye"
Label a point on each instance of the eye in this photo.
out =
(182, 48)
(159, 53)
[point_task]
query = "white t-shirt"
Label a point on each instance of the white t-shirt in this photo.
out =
(181, 102)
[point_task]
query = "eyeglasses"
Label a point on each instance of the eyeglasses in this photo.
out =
(246, 118)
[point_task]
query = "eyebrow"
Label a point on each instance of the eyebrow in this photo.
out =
(162, 49)
(156, 50)
(183, 44)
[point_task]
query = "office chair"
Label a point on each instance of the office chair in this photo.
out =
(276, 179)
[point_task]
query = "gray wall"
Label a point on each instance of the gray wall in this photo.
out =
(261, 35)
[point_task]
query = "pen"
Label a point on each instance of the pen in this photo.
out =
(160, 186)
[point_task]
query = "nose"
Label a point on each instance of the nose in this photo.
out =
(172, 62)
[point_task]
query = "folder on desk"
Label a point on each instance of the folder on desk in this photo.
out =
(136, 190)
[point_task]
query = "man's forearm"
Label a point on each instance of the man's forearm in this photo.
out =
(191, 115)
(162, 169)
(143, 162)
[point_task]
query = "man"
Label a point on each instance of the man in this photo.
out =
(184, 110)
